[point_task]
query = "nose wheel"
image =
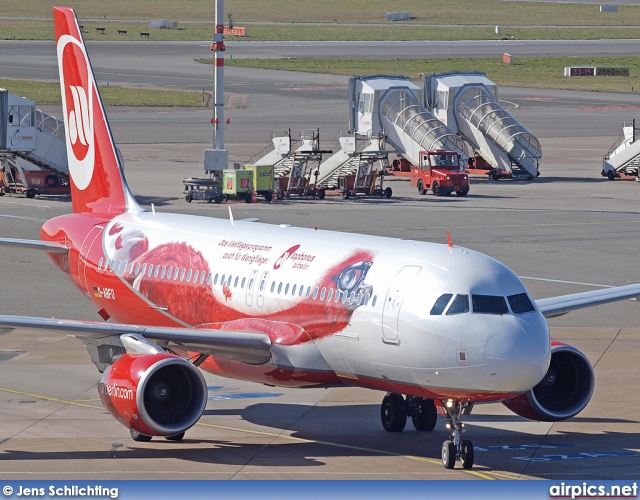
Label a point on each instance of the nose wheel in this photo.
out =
(455, 448)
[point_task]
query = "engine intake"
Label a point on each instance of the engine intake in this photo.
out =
(154, 394)
(563, 392)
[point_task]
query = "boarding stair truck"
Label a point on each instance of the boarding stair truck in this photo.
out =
(623, 159)
(441, 172)
(356, 166)
(283, 157)
(391, 106)
(33, 154)
(468, 104)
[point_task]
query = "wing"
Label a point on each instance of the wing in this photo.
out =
(248, 347)
(556, 306)
(47, 246)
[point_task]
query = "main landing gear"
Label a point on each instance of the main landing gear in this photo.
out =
(395, 410)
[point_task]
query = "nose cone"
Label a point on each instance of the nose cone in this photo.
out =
(517, 357)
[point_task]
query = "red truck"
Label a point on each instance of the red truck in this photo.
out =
(440, 172)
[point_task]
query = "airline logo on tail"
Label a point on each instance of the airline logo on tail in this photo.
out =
(77, 87)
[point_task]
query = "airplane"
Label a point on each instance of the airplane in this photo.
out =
(437, 327)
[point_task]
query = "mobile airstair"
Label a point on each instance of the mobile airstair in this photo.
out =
(32, 147)
(349, 160)
(623, 159)
(468, 104)
(392, 107)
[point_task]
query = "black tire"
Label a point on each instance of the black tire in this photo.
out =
(346, 194)
(31, 193)
(610, 175)
(225, 198)
(427, 417)
(387, 193)
(467, 454)
(448, 454)
(463, 192)
(140, 438)
(247, 197)
(187, 198)
(321, 194)
(421, 188)
(177, 437)
(494, 176)
(279, 195)
(218, 199)
(268, 196)
(436, 189)
(393, 412)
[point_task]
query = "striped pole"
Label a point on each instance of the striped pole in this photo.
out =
(218, 77)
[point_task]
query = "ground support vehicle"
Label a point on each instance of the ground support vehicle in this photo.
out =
(367, 182)
(441, 172)
(299, 181)
(203, 189)
(31, 183)
(262, 179)
(237, 184)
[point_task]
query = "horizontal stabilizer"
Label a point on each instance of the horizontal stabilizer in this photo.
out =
(47, 246)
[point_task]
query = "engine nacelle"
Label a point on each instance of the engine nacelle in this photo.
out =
(154, 394)
(563, 392)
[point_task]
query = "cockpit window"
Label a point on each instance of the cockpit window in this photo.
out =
(459, 305)
(489, 304)
(440, 304)
(520, 303)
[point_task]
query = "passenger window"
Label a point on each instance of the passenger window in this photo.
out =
(301, 290)
(375, 298)
(189, 275)
(330, 295)
(441, 304)
(315, 293)
(100, 263)
(222, 279)
(324, 290)
(215, 280)
(184, 271)
(489, 304)
(235, 283)
(366, 299)
(293, 290)
(131, 268)
(243, 281)
(202, 277)
(520, 303)
(195, 276)
(155, 274)
(286, 289)
(273, 286)
(143, 270)
(150, 272)
(359, 299)
(308, 292)
(209, 279)
(263, 283)
(459, 305)
(229, 280)
(251, 281)
(175, 274)
(280, 287)
(118, 266)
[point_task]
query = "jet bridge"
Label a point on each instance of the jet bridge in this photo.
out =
(468, 104)
(392, 107)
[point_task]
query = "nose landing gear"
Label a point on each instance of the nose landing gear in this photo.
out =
(455, 447)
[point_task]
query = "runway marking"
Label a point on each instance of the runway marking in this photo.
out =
(563, 281)
(607, 108)
(487, 475)
(23, 218)
(550, 224)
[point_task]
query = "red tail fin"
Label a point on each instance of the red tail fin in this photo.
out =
(97, 179)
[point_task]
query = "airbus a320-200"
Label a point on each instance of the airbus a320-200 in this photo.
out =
(437, 327)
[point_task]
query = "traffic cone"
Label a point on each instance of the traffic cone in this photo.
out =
(254, 197)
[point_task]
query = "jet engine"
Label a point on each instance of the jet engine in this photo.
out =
(154, 394)
(563, 392)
